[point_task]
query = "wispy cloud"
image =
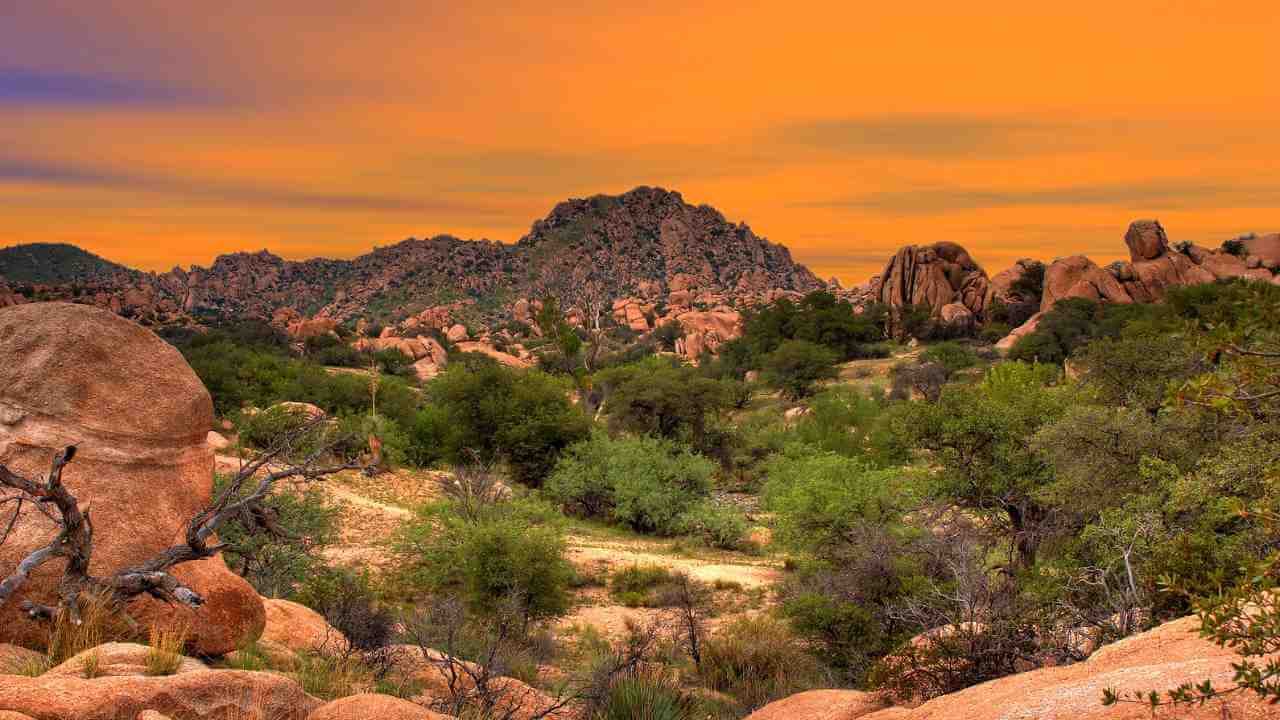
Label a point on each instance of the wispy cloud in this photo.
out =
(228, 192)
(924, 135)
(38, 87)
(1167, 195)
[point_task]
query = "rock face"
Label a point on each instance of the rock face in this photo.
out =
(186, 696)
(1153, 268)
(139, 417)
(933, 275)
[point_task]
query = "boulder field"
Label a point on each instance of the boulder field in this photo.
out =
(139, 417)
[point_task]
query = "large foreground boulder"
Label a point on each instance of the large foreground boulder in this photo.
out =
(139, 417)
(202, 695)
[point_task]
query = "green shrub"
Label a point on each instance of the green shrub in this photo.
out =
(819, 497)
(638, 585)
(757, 660)
(646, 696)
(508, 550)
(661, 397)
(488, 412)
(644, 483)
(718, 526)
(951, 355)
(796, 366)
(848, 422)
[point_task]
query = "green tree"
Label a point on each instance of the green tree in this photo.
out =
(489, 412)
(981, 440)
(662, 398)
(796, 366)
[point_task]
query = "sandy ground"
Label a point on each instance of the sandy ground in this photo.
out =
(372, 509)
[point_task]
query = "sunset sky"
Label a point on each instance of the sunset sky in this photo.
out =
(160, 132)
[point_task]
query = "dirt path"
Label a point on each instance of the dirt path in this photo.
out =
(371, 510)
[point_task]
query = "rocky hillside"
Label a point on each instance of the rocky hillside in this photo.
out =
(645, 242)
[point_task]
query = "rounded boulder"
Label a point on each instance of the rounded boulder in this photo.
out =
(139, 418)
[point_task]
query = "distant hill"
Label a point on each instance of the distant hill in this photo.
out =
(57, 264)
(638, 243)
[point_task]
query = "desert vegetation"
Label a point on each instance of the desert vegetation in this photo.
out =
(835, 500)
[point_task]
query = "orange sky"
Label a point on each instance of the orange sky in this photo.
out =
(158, 133)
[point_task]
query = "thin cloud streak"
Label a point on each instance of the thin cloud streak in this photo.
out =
(17, 171)
(41, 88)
(1159, 195)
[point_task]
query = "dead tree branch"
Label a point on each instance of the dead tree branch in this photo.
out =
(74, 540)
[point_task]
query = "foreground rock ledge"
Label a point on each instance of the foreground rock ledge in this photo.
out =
(188, 696)
(1159, 659)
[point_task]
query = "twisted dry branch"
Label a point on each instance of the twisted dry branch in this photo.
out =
(74, 541)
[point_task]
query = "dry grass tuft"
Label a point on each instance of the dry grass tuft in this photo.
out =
(100, 622)
(164, 652)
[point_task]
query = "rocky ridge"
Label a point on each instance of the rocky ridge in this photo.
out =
(634, 244)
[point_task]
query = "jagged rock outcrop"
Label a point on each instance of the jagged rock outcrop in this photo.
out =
(139, 417)
(933, 275)
(706, 331)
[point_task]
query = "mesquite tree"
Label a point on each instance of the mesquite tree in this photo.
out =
(242, 498)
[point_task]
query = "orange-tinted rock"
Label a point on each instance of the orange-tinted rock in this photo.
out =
(1160, 659)
(707, 330)
(1146, 240)
(821, 705)
(116, 659)
(232, 613)
(139, 417)
(1021, 331)
(1266, 248)
(187, 696)
(15, 660)
(1078, 276)
(457, 333)
(1001, 285)
(374, 707)
(958, 316)
(487, 349)
(314, 327)
(934, 276)
(299, 628)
